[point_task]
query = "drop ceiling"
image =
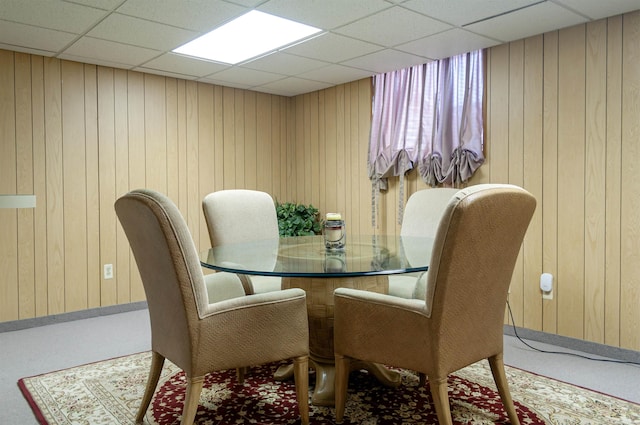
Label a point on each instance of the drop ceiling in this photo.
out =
(359, 38)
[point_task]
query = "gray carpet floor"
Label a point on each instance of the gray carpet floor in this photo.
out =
(47, 348)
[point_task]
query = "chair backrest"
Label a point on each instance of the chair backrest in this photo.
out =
(472, 262)
(421, 218)
(240, 215)
(423, 211)
(170, 269)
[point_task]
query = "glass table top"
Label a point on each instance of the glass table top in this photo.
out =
(306, 256)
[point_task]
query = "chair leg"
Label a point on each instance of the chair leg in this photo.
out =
(423, 379)
(343, 366)
(440, 394)
(192, 399)
(240, 372)
(301, 379)
(497, 369)
(157, 361)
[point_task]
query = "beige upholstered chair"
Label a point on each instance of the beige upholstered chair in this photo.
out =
(186, 327)
(239, 215)
(460, 320)
(421, 217)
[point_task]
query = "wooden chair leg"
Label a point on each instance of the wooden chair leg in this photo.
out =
(192, 399)
(301, 379)
(157, 361)
(343, 366)
(240, 372)
(440, 394)
(497, 369)
(423, 379)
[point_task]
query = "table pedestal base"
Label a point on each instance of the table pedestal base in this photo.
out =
(324, 391)
(320, 309)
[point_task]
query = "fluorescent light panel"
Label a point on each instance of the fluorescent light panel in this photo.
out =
(246, 37)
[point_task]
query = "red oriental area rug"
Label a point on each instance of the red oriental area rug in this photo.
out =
(109, 392)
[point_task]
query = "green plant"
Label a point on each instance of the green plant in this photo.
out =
(298, 219)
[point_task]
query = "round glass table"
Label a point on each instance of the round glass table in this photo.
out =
(304, 262)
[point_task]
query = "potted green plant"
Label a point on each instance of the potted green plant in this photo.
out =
(298, 219)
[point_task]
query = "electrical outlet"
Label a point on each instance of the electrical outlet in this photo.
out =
(108, 271)
(546, 286)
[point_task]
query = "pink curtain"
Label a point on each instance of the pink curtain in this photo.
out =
(452, 122)
(428, 115)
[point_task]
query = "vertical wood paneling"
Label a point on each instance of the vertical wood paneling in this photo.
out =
(55, 194)
(549, 198)
(571, 190)
(498, 121)
(532, 170)
(93, 186)
(39, 185)
(595, 172)
(24, 184)
(206, 151)
(228, 99)
(239, 141)
(155, 132)
(125, 277)
(75, 187)
(516, 160)
(318, 187)
(630, 225)
(613, 181)
(264, 167)
(106, 167)
(8, 217)
(363, 124)
(218, 128)
(181, 134)
(274, 149)
(138, 162)
(249, 157)
(330, 143)
(171, 125)
(192, 155)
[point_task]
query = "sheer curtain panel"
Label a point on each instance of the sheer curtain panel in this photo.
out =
(431, 116)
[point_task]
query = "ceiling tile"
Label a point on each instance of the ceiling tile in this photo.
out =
(448, 43)
(333, 48)
(462, 12)
(233, 84)
(250, 77)
(123, 54)
(171, 62)
(50, 14)
(165, 73)
(284, 63)
(100, 4)
(407, 26)
(325, 14)
(336, 74)
(293, 85)
(27, 36)
(385, 61)
(200, 16)
(129, 30)
(597, 9)
(533, 20)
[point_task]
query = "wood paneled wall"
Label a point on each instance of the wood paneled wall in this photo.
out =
(79, 136)
(562, 121)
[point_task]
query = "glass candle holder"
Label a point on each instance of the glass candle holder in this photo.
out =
(335, 261)
(334, 232)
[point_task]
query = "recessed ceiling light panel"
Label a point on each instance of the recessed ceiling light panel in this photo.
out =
(246, 37)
